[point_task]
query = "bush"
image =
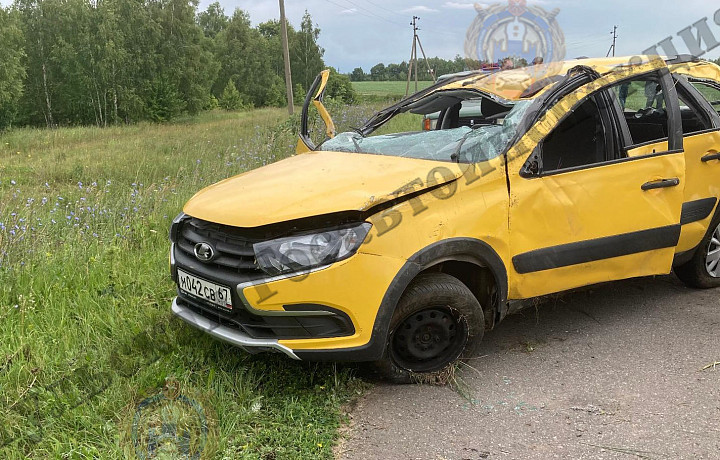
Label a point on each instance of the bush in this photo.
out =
(339, 87)
(163, 102)
(298, 94)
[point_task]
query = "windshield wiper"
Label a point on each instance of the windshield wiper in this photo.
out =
(357, 145)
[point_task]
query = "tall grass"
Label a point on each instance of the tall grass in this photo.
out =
(85, 328)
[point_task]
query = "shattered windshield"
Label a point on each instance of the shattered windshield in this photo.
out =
(463, 145)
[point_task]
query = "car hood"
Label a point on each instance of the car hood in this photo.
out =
(313, 184)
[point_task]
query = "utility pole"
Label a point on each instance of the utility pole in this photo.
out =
(413, 58)
(286, 58)
(612, 47)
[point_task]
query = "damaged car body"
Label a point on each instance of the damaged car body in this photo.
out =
(403, 248)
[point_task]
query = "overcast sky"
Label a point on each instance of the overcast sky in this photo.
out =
(364, 32)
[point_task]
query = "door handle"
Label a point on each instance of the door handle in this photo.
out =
(710, 157)
(662, 183)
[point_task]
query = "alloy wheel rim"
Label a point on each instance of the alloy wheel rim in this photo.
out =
(428, 340)
(712, 260)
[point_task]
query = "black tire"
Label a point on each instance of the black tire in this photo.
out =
(437, 321)
(696, 272)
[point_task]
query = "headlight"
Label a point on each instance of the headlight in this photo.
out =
(296, 253)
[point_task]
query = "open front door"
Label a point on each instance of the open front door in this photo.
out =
(305, 143)
(602, 198)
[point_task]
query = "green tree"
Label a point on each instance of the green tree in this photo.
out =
(377, 72)
(358, 74)
(12, 70)
(306, 56)
(65, 62)
(231, 98)
(163, 100)
(213, 20)
(397, 72)
(115, 60)
(187, 59)
(242, 52)
(270, 32)
(36, 104)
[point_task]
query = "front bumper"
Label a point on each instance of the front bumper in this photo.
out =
(230, 335)
(269, 310)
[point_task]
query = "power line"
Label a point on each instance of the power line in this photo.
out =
(367, 11)
(373, 15)
(345, 7)
(383, 8)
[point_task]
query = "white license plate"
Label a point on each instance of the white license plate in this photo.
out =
(205, 290)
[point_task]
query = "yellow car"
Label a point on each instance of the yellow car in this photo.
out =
(404, 248)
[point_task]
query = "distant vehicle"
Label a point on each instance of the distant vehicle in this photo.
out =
(404, 248)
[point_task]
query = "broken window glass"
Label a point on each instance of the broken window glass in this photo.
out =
(710, 92)
(461, 144)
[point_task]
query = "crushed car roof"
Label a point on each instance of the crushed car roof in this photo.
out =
(513, 85)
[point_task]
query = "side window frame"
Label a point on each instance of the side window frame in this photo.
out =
(699, 99)
(613, 119)
(611, 128)
(672, 104)
(532, 167)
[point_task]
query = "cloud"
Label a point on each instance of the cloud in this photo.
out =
(460, 6)
(349, 11)
(419, 9)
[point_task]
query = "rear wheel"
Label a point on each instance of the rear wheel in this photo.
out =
(703, 271)
(437, 320)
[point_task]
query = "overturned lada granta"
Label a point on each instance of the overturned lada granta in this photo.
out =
(404, 248)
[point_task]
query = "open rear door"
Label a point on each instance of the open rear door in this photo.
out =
(305, 143)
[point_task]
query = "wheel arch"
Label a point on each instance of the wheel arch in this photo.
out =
(445, 256)
(470, 251)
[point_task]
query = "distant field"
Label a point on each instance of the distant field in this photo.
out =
(387, 88)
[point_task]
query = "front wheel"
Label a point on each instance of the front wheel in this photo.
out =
(437, 320)
(703, 271)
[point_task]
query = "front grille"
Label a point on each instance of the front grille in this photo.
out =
(234, 252)
(234, 263)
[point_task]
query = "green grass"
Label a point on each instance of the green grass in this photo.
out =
(387, 88)
(401, 123)
(85, 327)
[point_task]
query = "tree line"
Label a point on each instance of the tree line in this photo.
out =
(81, 62)
(399, 72)
(439, 66)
